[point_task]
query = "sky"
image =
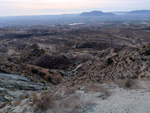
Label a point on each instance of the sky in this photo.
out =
(53, 7)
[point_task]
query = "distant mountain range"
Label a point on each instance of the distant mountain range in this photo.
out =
(100, 13)
(75, 18)
(96, 13)
(139, 12)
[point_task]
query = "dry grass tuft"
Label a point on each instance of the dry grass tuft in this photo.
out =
(25, 96)
(72, 102)
(94, 88)
(57, 96)
(90, 102)
(98, 88)
(69, 91)
(129, 83)
(3, 105)
(77, 105)
(105, 94)
(34, 98)
(44, 102)
(16, 103)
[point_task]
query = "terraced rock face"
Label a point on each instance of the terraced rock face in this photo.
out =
(15, 86)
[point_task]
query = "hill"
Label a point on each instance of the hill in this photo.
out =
(139, 12)
(96, 13)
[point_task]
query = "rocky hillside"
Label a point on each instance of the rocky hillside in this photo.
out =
(125, 64)
(14, 86)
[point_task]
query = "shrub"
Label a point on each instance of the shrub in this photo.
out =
(69, 91)
(132, 59)
(16, 103)
(42, 74)
(93, 88)
(38, 52)
(34, 98)
(49, 78)
(146, 53)
(109, 61)
(57, 96)
(35, 71)
(98, 88)
(129, 83)
(44, 103)
(72, 102)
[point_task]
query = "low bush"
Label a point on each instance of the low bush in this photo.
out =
(109, 61)
(129, 83)
(35, 71)
(69, 91)
(98, 88)
(44, 103)
(146, 53)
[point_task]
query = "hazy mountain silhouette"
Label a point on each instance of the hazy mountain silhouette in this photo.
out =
(96, 13)
(139, 12)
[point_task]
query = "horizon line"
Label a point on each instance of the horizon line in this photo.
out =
(73, 13)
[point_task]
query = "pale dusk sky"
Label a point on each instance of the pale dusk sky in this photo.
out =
(51, 7)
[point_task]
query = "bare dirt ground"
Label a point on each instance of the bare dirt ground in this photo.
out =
(122, 101)
(96, 98)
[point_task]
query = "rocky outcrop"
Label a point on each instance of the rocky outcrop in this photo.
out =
(14, 86)
(31, 71)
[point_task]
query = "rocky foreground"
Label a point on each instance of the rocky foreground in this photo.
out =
(114, 97)
(14, 86)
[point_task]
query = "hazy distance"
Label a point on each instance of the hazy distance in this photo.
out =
(53, 7)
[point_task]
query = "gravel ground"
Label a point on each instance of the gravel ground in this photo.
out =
(122, 101)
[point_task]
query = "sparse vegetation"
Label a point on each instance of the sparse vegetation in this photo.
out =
(58, 60)
(129, 83)
(98, 88)
(69, 91)
(55, 103)
(43, 103)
